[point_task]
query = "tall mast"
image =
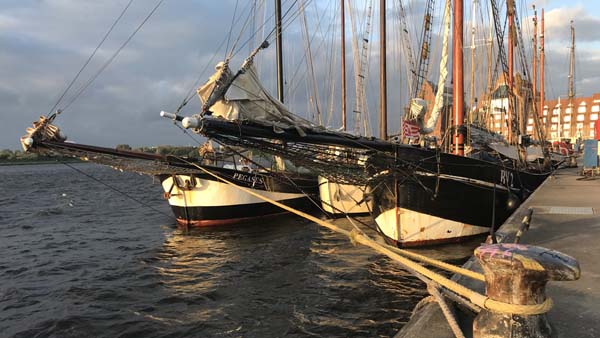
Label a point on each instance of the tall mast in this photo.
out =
(382, 73)
(542, 64)
(490, 61)
(511, 17)
(572, 65)
(457, 75)
(343, 43)
(473, 20)
(534, 68)
(279, 50)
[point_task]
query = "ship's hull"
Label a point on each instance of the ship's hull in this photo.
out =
(202, 200)
(445, 198)
(342, 199)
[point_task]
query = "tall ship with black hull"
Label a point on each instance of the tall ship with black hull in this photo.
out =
(456, 196)
(419, 195)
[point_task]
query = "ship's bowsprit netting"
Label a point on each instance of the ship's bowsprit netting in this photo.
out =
(341, 165)
(137, 165)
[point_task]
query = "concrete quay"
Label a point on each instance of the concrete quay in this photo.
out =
(566, 218)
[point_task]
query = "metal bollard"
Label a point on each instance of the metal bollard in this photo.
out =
(517, 274)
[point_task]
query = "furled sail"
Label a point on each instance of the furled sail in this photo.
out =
(246, 99)
(418, 107)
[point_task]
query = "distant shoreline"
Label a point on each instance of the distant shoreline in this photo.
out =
(36, 162)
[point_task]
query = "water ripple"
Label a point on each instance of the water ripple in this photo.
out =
(79, 260)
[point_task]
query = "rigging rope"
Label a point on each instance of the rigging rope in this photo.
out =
(231, 28)
(117, 190)
(90, 58)
(398, 255)
(112, 58)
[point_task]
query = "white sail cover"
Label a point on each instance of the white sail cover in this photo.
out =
(247, 100)
(418, 107)
(439, 95)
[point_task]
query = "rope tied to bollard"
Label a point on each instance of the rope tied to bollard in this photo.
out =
(398, 256)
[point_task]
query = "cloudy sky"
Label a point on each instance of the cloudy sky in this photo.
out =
(45, 43)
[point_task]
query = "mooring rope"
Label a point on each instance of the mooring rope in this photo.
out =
(397, 255)
(450, 318)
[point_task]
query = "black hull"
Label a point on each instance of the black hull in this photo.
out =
(456, 188)
(468, 190)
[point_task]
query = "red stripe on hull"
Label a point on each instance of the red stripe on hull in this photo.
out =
(228, 221)
(432, 241)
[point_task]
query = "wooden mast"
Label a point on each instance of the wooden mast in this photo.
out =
(510, 80)
(490, 61)
(279, 50)
(472, 91)
(343, 51)
(457, 75)
(542, 58)
(572, 66)
(534, 61)
(382, 73)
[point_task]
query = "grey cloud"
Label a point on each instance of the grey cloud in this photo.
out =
(45, 43)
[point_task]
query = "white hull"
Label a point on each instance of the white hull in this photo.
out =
(410, 228)
(208, 193)
(208, 203)
(339, 199)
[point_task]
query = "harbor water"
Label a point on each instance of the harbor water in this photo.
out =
(80, 258)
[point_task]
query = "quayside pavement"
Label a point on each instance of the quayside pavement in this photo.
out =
(566, 218)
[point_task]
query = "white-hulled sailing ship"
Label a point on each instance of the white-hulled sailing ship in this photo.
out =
(196, 189)
(193, 188)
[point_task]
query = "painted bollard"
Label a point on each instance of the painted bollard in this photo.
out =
(517, 274)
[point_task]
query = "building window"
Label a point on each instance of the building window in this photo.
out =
(530, 121)
(569, 110)
(554, 119)
(595, 109)
(581, 109)
(566, 134)
(545, 111)
(593, 117)
(579, 125)
(555, 111)
(566, 126)
(544, 119)
(553, 127)
(497, 125)
(591, 125)
(497, 117)
(568, 118)
(553, 135)
(529, 128)
(580, 117)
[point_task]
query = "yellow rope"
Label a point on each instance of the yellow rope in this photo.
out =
(475, 297)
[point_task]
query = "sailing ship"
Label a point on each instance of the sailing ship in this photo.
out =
(195, 188)
(419, 195)
(196, 197)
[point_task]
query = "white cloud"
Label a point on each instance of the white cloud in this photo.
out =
(558, 21)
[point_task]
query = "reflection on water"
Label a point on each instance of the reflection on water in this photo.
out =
(286, 277)
(80, 260)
